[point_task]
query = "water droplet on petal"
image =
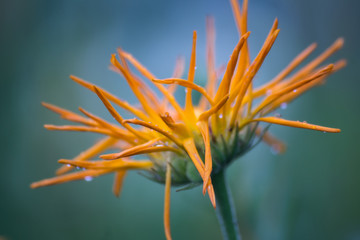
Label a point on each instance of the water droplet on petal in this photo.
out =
(220, 116)
(195, 67)
(295, 90)
(78, 168)
(68, 165)
(88, 178)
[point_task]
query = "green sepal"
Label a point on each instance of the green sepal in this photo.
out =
(188, 186)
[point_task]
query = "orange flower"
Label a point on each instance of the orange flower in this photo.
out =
(186, 145)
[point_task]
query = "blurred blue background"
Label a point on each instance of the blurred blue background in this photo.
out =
(310, 192)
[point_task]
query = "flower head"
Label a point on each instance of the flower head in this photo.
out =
(185, 145)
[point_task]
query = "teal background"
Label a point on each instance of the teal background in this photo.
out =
(310, 192)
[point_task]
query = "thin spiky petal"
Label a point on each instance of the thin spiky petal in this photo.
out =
(88, 129)
(81, 175)
(118, 182)
(167, 202)
(117, 116)
(295, 124)
(246, 79)
(131, 150)
(189, 108)
(178, 72)
(289, 68)
(144, 88)
(144, 150)
(112, 98)
(211, 193)
(205, 115)
(204, 129)
(241, 23)
(237, 15)
(177, 127)
(272, 141)
(210, 60)
(314, 63)
(240, 90)
(190, 148)
(110, 165)
(142, 99)
(68, 115)
(102, 123)
(187, 84)
(162, 89)
(163, 132)
(299, 91)
(277, 94)
(94, 150)
(225, 83)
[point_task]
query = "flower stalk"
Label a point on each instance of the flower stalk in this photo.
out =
(225, 209)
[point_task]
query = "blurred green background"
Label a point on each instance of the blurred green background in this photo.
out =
(310, 192)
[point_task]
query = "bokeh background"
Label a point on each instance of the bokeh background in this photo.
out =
(310, 192)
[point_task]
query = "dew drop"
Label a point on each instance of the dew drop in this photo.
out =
(186, 90)
(268, 92)
(68, 165)
(78, 168)
(283, 105)
(88, 178)
(195, 67)
(220, 116)
(295, 90)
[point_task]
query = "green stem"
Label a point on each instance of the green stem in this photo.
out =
(225, 210)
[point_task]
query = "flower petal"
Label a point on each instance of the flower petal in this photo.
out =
(118, 182)
(167, 203)
(296, 124)
(94, 150)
